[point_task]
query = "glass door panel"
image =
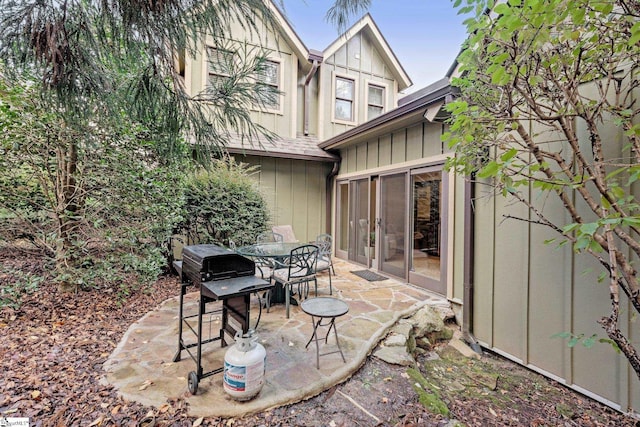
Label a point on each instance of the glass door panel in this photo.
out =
(426, 255)
(342, 223)
(358, 220)
(392, 230)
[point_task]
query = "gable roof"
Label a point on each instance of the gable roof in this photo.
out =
(367, 24)
(289, 34)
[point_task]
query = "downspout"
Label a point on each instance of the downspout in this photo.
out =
(328, 195)
(469, 264)
(316, 58)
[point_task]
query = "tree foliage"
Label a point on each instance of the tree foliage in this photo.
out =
(82, 52)
(548, 115)
(95, 114)
(97, 228)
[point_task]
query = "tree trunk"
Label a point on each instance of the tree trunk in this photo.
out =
(67, 196)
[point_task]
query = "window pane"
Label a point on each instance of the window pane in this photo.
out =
(343, 110)
(216, 81)
(427, 205)
(272, 100)
(219, 61)
(376, 95)
(374, 111)
(270, 73)
(344, 89)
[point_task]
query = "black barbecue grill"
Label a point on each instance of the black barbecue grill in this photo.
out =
(220, 275)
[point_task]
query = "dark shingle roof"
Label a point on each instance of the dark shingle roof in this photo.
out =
(302, 147)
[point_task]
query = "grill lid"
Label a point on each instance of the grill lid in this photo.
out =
(201, 263)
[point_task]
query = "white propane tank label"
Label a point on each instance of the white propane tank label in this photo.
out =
(245, 379)
(244, 370)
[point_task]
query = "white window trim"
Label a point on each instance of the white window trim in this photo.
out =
(382, 85)
(205, 79)
(335, 76)
(205, 65)
(280, 109)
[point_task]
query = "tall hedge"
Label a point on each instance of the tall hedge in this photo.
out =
(224, 203)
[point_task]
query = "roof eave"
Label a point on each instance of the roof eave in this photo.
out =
(330, 158)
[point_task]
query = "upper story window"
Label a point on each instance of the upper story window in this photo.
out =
(375, 101)
(270, 76)
(220, 65)
(345, 96)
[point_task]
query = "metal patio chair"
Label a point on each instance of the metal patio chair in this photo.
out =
(299, 270)
(269, 237)
(324, 262)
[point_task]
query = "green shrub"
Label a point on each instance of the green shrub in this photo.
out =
(223, 203)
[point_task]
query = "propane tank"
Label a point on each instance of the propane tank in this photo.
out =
(244, 367)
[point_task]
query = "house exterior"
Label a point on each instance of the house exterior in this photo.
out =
(323, 93)
(359, 161)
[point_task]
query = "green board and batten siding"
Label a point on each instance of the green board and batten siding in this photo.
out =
(295, 191)
(526, 291)
(415, 143)
(357, 59)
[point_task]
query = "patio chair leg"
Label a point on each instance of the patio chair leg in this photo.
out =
(267, 298)
(287, 297)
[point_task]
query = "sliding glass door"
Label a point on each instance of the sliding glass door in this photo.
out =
(426, 266)
(397, 224)
(392, 224)
(359, 220)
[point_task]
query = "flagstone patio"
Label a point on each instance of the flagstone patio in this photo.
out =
(142, 370)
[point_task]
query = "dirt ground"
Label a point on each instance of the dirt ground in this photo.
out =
(54, 346)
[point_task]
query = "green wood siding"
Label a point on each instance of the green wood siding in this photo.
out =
(295, 191)
(526, 291)
(484, 263)
(282, 123)
(406, 144)
(458, 239)
(399, 147)
(414, 142)
(358, 59)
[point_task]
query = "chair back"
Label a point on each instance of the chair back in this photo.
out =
(324, 241)
(269, 237)
(302, 261)
(287, 233)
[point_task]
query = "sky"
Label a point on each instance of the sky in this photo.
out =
(425, 35)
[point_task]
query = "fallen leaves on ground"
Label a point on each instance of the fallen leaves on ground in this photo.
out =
(54, 346)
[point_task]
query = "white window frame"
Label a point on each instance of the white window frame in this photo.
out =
(354, 102)
(385, 91)
(207, 61)
(280, 86)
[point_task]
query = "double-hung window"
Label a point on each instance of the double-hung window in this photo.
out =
(344, 99)
(375, 101)
(220, 66)
(270, 77)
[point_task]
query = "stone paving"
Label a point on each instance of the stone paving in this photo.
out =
(142, 370)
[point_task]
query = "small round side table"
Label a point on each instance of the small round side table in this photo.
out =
(324, 308)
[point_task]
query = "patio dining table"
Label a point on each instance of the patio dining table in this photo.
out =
(275, 252)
